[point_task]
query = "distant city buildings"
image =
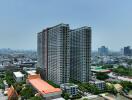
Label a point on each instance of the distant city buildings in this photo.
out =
(103, 51)
(126, 51)
(65, 54)
(17, 60)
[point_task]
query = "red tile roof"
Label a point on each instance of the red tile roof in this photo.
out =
(42, 86)
(12, 93)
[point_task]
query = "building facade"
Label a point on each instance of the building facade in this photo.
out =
(70, 88)
(127, 51)
(99, 84)
(18, 76)
(103, 51)
(80, 54)
(41, 52)
(64, 53)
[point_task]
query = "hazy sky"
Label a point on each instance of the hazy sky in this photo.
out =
(20, 20)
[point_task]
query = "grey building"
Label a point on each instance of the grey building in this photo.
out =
(80, 54)
(70, 88)
(127, 51)
(53, 53)
(41, 52)
(99, 84)
(103, 51)
(64, 53)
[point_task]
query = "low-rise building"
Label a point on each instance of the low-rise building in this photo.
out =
(31, 72)
(47, 91)
(12, 94)
(99, 84)
(99, 69)
(70, 88)
(59, 99)
(18, 76)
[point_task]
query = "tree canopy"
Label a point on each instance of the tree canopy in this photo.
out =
(123, 71)
(27, 92)
(36, 98)
(102, 76)
(9, 77)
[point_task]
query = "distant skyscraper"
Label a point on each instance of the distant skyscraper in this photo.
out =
(103, 51)
(122, 51)
(127, 51)
(65, 53)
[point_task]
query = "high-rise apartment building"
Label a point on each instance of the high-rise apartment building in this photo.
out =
(53, 53)
(127, 51)
(64, 53)
(80, 54)
(103, 51)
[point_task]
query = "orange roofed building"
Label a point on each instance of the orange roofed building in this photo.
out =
(12, 94)
(42, 87)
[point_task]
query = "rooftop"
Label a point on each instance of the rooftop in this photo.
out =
(42, 86)
(18, 74)
(96, 81)
(11, 92)
(31, 72)
(69, 84)
(59, 99)
(99, 69)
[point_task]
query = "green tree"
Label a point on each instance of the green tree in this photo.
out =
(27, 92)
(102, 76)
(9, 77)
(107, 66)
(18, 87)
(94, 89)
(85, 99)
(82, 88)
(121, 70)
(53, 84)
(36, 98)
(38, 70)
(126, 85)
(2, 86)
(86, 87)
(67, 96)
(111, 89)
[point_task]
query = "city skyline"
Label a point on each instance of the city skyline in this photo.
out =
(108, 19)
(65, 50)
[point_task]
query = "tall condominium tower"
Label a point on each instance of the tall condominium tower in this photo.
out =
(80, 54)
(64, 54)
(54, 53)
